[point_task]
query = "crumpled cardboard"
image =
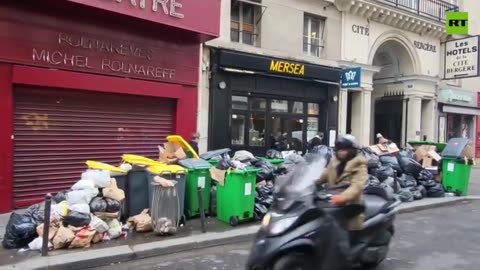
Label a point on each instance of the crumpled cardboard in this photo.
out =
(54, 225)
(141, 222)
(113, 192)
(83, 238)
(106, 215)
(171, 153)
(384, 149)
(157, 180)
(218, 175)
(63, 238)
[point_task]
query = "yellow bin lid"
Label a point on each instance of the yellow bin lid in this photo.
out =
(184, 144)
(165, 169)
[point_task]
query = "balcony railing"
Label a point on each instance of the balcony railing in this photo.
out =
(434, 9)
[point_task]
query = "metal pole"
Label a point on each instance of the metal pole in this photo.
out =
(202, 210)
(46, 224)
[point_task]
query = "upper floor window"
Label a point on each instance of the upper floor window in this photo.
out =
(244, 17)
(313, 35)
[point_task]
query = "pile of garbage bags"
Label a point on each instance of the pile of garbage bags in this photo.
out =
(401, 175)
(88, 213)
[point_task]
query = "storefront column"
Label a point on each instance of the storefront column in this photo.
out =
(342, 111)
(428, 119)
(361, 118)
(414, 124)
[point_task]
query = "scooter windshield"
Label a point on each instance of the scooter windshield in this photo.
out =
(299, 184)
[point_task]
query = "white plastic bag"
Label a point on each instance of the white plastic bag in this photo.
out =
(83, 196)
(81, 207)
(37, 243)
(60, 209)
(115, 229)
(84, 184)
(99, 225)
(100, 178)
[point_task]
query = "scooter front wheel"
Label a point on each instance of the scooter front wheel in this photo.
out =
(294, 261)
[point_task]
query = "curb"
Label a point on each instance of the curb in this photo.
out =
(115, 255)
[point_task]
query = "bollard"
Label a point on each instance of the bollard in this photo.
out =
(46, 224)
(202, 211)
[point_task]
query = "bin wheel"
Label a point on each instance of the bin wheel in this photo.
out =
(233, 221)
(458, 193)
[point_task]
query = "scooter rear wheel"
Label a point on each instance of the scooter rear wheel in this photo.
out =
(294, 261)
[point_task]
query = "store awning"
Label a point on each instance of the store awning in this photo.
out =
(461, 110)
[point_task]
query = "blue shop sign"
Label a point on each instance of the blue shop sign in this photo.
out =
(351, 77)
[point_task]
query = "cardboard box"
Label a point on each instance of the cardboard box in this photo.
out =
(431, 159)
(382, 149)
(171, 153)
(423, 150)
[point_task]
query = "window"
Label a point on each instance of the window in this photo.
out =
(238, 129)
(257, 129)
(297, 107)
(279, 106)
(454, 82)
(243, 22)
(313, 33)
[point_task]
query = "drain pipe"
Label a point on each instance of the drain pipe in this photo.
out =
(406, 121)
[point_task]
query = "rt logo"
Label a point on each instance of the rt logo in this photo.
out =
(457, 23)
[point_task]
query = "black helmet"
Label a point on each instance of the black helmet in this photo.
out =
(345, 142)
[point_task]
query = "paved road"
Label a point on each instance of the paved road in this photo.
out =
(436, 239)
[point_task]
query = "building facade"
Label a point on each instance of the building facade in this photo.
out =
(74, 89)
(270, 79)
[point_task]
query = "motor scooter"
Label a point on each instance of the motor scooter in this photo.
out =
(303, 231)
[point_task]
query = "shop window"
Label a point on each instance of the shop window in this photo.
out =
(312, 127)
(313, 35)
(239, 103)
(279, 106)
(313, 109)
(297, 107)
(279, 132)
(257, 129)
(297, 134)
(238, 129)
(258, 104)
(244, 18)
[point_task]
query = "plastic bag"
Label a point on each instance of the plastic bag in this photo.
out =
(291, 161)
(323, 151)
(81, 196)
(141, 222)
(19, 232)
(372, 181)
(37, 243)
(77, 219)
(373, 161)
(407, 181)
(239, 165)
(225, 164)
(60, 196)
(260, 211)
(436, 191)
(82, 208)
(63, 237)
(422, 190)
(384, 172)
(417, 194)
(266, 171)
(83, 238)
(408, 153)
(273, 154)
(113, 206)
(243, 156)
(84, 184)
(113, 192)
(424, 175)
(392, 162)
(98, 204)
(115, 229)
(106, 215)
(60, 209)
(428, 183)
(100, 178)
(99, 225)
(406, 195)
(410, 166)
(391, 182)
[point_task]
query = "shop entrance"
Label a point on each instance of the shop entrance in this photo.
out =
(261, 123)
(388, 119)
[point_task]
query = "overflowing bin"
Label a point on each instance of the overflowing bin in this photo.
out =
(236, 198)
(165, 208)
(169, 172)
(198, 177)
(457, 160)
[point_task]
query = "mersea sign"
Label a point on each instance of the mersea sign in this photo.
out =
(184, 14)
(462, 58)
(287, 67)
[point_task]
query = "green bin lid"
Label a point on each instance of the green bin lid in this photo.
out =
(195, 164)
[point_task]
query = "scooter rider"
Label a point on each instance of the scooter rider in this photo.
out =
(347, 171)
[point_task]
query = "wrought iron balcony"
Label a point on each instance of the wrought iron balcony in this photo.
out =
(434, 9)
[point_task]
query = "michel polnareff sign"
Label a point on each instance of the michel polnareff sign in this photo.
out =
(462, 58)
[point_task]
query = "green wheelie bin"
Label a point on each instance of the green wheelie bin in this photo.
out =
(456, 166)
(236, 197)
(198, 177)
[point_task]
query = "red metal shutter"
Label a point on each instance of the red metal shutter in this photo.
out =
(57, 131)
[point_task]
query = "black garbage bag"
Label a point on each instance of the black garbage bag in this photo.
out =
(407, 153)
(424, 175)
(98, 204)
(373, 160)
(395, 185)
(77, 219)
(323, 151)
(113, 206)
(405, 195)
(428, 183)
(267, 170)
(384, 172)
(407, 181)
(292, 160)
(392, 162)
(60, 196)
(213, 201)
(225, 164)
(19, 232)
(372, 181)
(422, 190)
(436, 191)
(410, 166)
(36, 214)
(260, 211)
(417, 194)
(273, 154)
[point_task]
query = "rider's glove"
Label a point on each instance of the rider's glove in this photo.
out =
(338, 200)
